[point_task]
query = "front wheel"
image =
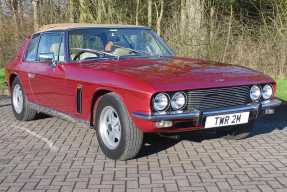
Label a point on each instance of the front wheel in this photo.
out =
(117, 135)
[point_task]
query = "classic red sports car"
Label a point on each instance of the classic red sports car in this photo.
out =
(125, 81)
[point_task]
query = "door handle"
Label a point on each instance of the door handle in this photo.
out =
(31, 75)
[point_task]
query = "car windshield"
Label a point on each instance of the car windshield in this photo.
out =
(85, 44)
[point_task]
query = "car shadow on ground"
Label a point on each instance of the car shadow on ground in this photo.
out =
(4, 105)
(156, 143)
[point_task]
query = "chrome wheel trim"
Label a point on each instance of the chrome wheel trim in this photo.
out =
(110, 127)
(18, 99)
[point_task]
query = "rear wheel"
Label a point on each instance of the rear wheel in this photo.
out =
(21, 108)
(117, 135)
(240, 132)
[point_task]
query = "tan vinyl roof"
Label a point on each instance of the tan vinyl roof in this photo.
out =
(66, 26)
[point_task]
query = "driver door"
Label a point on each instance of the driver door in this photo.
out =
(48, 82)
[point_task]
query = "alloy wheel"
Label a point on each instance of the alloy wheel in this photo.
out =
(18, 99)
(110, 127)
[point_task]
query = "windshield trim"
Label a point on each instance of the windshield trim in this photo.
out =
(111, 58)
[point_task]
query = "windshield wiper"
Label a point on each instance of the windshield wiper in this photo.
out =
(95, 51)
(132, 50)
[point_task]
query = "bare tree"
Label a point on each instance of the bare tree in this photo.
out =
(14, 7)
(137, 11)
(149, 13)
(1, 26)
(74, 12)
(191, 14)
(193, 30)
(183, 18)
(35, 4)
(159, 14)
(21, 14)
(194, 13)
(1, 36)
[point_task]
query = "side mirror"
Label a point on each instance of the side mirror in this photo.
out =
(48, 57)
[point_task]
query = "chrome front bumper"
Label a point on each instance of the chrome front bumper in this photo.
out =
(256, 107)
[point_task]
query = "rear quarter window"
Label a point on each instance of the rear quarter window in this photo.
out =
(31, 53)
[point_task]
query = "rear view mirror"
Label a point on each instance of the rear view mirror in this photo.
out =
(48, 57)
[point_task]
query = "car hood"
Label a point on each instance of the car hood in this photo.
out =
(169, 74)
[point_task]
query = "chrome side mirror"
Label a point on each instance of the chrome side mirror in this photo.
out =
(48, 57)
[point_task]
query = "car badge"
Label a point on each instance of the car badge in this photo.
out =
(219, 80)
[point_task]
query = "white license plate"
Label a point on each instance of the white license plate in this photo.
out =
(227, 120)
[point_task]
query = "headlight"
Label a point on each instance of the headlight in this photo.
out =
(267, 92)
(255, 93)
(178, 101)
(160, 102)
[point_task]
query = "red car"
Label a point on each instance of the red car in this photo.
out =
(125, 81)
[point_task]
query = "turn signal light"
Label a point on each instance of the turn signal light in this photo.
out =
(163, 124)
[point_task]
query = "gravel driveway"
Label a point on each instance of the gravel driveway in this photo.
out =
(50, 154)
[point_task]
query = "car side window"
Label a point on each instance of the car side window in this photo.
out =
(31, 54)
(51, 43)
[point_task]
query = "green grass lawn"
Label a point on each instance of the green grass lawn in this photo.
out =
(282, 88)
(2, 78)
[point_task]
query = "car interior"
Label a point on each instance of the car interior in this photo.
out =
(113, 42)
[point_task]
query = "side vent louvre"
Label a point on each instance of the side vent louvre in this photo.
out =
(79, 99)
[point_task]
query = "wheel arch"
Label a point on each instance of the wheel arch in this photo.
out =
(95, 98)
(12, 77)
(128, 99)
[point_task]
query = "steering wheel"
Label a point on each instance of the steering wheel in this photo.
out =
(78, 55)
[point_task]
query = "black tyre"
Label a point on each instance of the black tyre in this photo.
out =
(240, 132)
(21, 108)
(117, 135)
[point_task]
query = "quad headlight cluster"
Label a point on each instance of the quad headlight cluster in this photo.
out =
(256, 92)
(162, 101)
(177, 101)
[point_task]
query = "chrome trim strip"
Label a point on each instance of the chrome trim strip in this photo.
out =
(163, 117)
(271, 103)
(55, 113)
(196, 114)
(242, 108)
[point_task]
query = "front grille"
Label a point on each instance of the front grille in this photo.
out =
(218, 97)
